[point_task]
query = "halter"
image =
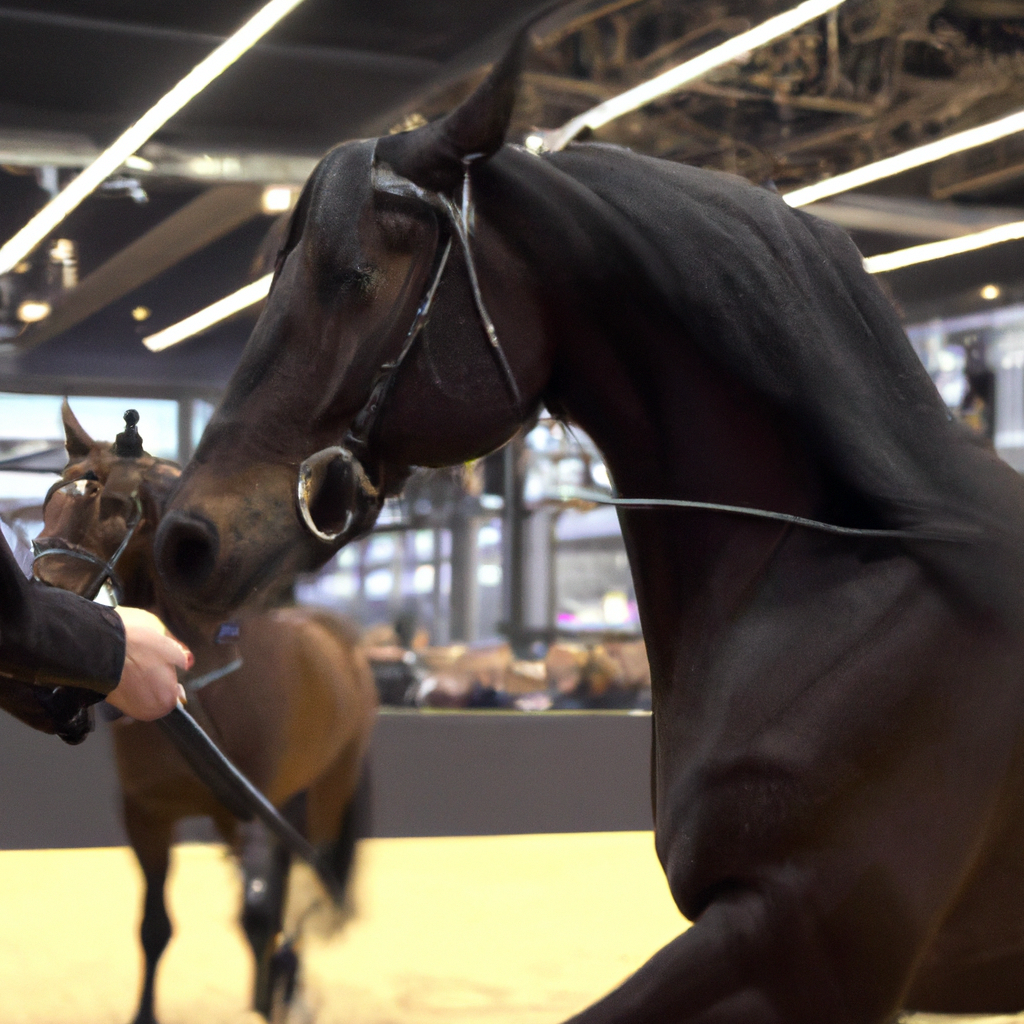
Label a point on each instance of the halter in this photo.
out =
(360, 434)
(107, 566)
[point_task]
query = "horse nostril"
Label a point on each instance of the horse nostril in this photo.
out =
(186, 550)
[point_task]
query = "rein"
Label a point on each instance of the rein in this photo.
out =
(193, 685)
(963, 537)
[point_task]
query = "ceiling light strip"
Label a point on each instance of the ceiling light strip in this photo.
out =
(887, 261)
(881, 264)
(674, 78)
(141, 131)
(907, 160)
(206, 318)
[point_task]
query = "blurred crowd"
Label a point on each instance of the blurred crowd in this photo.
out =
(610, 674)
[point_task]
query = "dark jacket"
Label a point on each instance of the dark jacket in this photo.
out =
(58, 652)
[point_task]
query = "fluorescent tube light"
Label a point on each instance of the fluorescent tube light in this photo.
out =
(887, 261)
(139, 133)
(599, 115)
(905, 161)
(673, 79)
(205, 318)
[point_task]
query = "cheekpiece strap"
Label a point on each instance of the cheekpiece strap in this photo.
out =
(461, 217)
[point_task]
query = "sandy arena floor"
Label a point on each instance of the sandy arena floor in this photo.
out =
(481, 930)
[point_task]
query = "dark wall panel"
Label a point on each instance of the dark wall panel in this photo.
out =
(433, 774)
(495, 774)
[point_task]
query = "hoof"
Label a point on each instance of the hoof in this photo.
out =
(284, 971)
(284, 978)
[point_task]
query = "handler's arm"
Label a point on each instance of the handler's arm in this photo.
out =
(51, 637)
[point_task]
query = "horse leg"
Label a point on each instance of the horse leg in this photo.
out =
(355, 825)
(758, 955)
(150, 837)
(265, 864)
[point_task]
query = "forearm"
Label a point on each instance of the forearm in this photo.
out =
(50, 637)
(67, 641)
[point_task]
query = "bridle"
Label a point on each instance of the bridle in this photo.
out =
(358, 439)
(107, 567)
(360, 436)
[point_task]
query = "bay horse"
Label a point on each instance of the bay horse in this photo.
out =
(838, 696)
(291, 701)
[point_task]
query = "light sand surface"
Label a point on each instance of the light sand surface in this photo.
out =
(478, 930)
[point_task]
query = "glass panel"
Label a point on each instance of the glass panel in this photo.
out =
(201, 413)
(103, 418)
(381, 548)
(37, 417)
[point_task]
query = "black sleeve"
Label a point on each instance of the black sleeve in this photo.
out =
(50, 637)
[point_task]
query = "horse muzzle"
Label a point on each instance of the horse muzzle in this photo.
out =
(336, 500)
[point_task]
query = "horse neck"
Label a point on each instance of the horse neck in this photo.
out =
(671, 424)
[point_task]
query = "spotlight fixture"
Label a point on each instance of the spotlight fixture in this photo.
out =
(139, 133)
(277, 199)
(990, 292)
(140, 313)
(206, 318)
(138, 163)
(62, 250)
(33, 310)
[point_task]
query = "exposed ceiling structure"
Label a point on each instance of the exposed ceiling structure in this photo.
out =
(182, 225)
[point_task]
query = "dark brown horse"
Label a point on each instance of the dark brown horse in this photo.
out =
(838, 762)
(294, 713)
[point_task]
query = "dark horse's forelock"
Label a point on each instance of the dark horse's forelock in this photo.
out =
(331, 199)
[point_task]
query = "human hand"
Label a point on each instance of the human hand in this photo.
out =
(149, 686)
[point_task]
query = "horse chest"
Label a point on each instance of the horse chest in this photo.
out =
(781, 729)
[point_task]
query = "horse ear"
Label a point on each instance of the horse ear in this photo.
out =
(433, 156)
(76, 440)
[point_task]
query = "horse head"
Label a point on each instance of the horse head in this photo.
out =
(100, 517)
(385, 343)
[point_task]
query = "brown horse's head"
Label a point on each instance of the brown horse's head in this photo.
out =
(317, 427)
(109, 500)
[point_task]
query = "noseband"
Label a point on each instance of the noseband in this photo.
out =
(107, 567)
(358, 439)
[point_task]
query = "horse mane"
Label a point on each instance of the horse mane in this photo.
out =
(780, 299)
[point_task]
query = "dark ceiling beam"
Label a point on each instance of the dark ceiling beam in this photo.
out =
(208, 217)
(384, 63)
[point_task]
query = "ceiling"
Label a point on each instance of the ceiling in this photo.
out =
(76, 73)
(877, 78)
